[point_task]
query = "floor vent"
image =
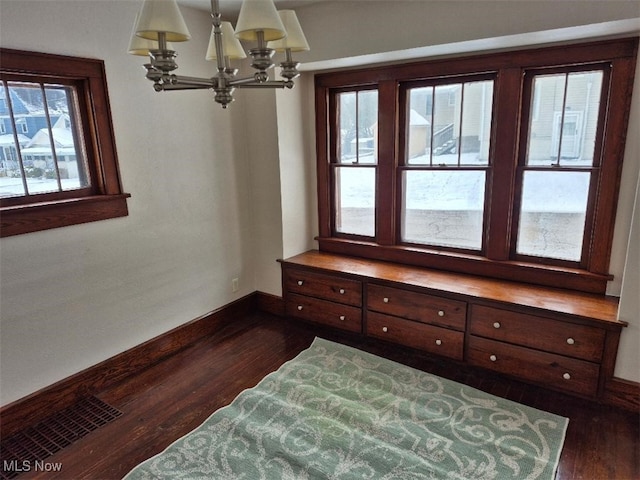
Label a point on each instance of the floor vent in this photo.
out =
(26, 450)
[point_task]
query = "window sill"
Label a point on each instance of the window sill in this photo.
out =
(533, 273)
(47, 215)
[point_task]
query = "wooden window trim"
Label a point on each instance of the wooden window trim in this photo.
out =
(106, 198)
(509, 67)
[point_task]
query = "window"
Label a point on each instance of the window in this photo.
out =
(503, 165)
(559, 163)
(445, 164)
(354, 170)
(58, 162)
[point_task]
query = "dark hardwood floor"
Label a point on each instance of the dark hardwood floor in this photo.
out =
(173, 397)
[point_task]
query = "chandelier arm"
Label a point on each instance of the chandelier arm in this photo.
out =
(171, 87)
(193, 82)
(238, 82)
(267, 84)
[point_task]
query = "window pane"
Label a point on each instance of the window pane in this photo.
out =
(446, 117)
(564, 118)
(367, 126)
(444, 208)
(29, 115)
(552, 214)
(11, 180)
(476, 123)
(66, 133)
(461, 118)
(355, 200)
(358, 124)
(419, 131)
(347, 127)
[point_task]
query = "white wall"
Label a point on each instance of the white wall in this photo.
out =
(74, 296)
(296, 141)
(629, 357)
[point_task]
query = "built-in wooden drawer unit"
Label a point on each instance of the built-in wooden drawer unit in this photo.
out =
(442, 341)
(328, 313)
(569, 339)
(548, 369)
(327, 287)
(416, 306)
(331, 300)
(556, 338)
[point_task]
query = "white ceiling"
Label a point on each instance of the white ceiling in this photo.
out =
(230, 8)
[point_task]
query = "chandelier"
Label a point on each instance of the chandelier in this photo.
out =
(159, 23)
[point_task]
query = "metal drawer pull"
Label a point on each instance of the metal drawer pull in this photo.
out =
(496, 325)
(385, 300)
(438, 342)
(299, 307)
(570, 341)
(300, 282)
(566, 376)
(493, 358)
(342, 291)
(441, 313)
(342, 317)
(385, 329)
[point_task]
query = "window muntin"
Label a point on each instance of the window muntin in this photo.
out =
(560, 161)
(354, 168)
(45, 153)
(448, 131)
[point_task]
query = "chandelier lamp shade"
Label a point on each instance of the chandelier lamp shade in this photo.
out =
(159, 24)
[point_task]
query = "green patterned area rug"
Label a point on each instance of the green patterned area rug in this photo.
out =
(335, 412)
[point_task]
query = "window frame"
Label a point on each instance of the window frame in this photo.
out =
(509, 68)
(105, 197)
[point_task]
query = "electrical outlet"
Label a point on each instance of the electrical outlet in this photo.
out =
(235, 284)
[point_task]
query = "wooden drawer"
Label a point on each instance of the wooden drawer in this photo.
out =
(547, 369)
(324, 312)
(569, 339)
(328, 287)
(441, 341)
(420, 307)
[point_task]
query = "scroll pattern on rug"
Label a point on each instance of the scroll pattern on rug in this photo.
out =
(335, 412)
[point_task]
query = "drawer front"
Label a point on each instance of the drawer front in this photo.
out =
(544, 368)
(441, 341)
(327, 313)
(417, 306)
(328, 287)
(569, 339)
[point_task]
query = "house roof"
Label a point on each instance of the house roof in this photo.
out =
(415, 119)
(18, 106)
(62, 136)
(8, 140)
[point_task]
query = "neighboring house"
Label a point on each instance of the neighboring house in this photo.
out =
(30, 120)
(37, 152)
